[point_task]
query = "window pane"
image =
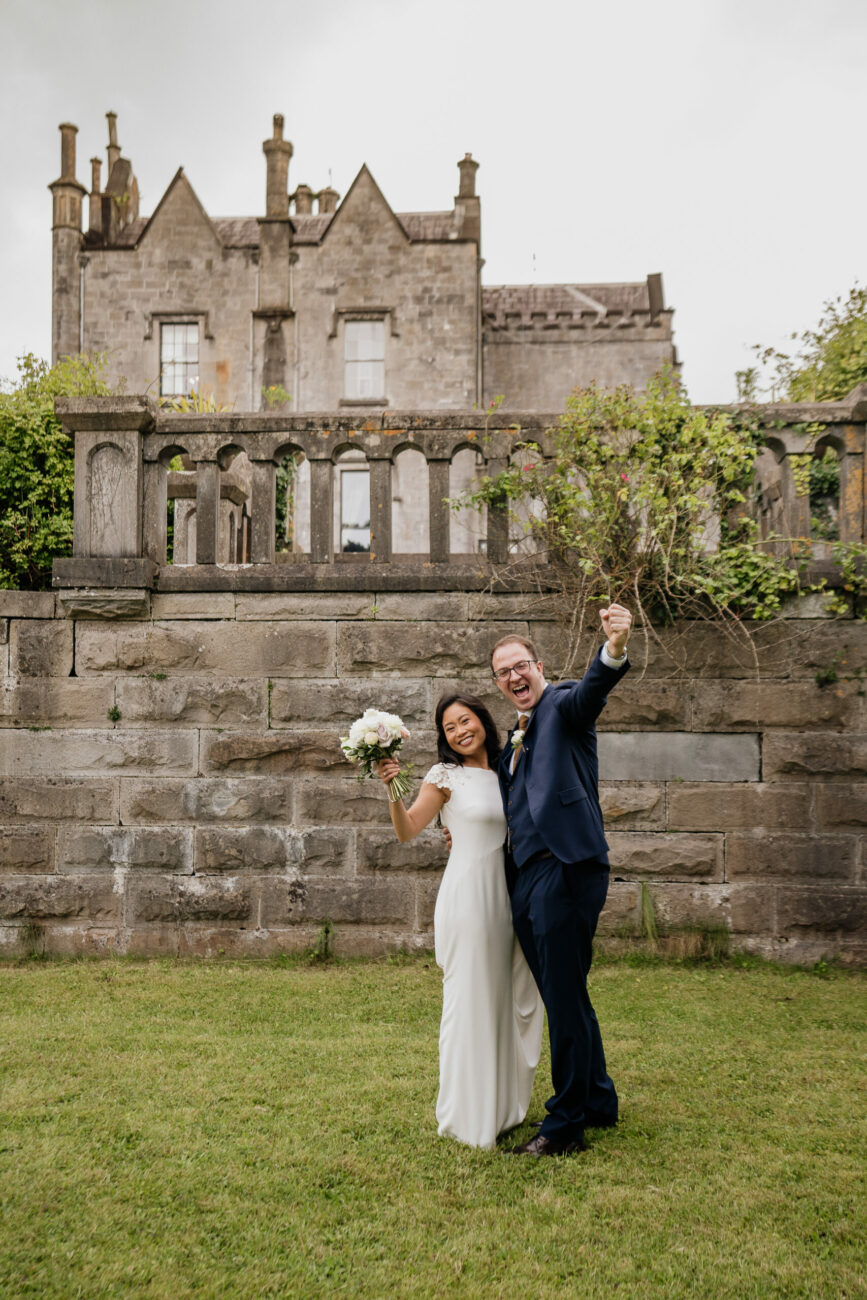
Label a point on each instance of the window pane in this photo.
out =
(179, 358)
(364, 340)
(355, 510)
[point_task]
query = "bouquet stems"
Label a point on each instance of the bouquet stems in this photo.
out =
(398, 787)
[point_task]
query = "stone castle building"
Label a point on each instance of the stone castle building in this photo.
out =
(341, 303)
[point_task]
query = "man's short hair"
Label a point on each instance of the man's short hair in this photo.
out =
(516, 639)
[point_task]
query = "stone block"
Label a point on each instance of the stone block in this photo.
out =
(56, 702)
(622, 911)
(339, 702)
(247, 800)
(666, 856)
(841, 807)
(351, 803)
(251, 850)
(26, 849)
(677, 755)
(426, 890)
(213, 701)
(707, 650)
(822, 911)
(756, 706)
(422, 607)
(84, 850)
(277, 605)
(420, 649)
(752, 908)
(263, 649)
(819, 647)
(41, 898)
(272, 752)
(777, 856)
(633, 805)
(27, 604)
(183, 898)
(41, 648)
(192, 604)
(327, 852)
(4, 631)
(793, 756)
(647, 704)
(93, 753)
(686, 907)
(503, 607)
(378, 849)
(27, 800)
(383, 901)
(117, 602)
(747, 806)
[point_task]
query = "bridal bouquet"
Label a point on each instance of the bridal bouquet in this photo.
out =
(373, 736)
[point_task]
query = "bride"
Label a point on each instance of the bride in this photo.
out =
(491, 1028)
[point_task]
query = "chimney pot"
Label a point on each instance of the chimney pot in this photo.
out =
(113, 146)
(278, 126)
(328, 199)
(68, 132)
(467, 168)
(303, 197)
(277, 153)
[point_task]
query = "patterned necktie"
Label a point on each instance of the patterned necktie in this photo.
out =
(523, 723)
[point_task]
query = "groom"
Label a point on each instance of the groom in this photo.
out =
(557, 865)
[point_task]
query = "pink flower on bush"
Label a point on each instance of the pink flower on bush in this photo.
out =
(625, 478)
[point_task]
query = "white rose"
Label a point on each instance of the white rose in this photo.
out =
(371, 738)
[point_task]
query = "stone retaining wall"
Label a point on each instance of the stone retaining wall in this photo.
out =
(173, 783)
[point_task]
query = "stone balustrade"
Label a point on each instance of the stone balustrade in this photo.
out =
(125, 450)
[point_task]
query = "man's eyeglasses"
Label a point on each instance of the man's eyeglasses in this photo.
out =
(503, 674)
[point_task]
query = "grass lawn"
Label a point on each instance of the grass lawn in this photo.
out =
(248, 1130)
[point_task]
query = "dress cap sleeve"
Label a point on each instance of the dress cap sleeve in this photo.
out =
(441, 775)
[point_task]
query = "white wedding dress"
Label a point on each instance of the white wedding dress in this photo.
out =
(491, 1030)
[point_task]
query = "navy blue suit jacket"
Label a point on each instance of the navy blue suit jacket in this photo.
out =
(562, 769)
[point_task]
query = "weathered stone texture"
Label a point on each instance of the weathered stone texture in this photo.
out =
(212, 701)
(56, 701)
(385, 901)
(246, 850)
(41, 648)
(777, 856)
(841, 807)
(26, 604)
(349, 804)
(666, 856)
(274, 752)
(790, 755)
(278, 649)
(26, 849)
(337, 703)
(295, 605)
(167, 605)
(85, 849)
(621, 913)
(203, 800)
(634, 805)
(651, 704)
(378, 849)
(39, 898)
(822, 911)
(198, 898)
(677, 756)
(27, 800)
(93, 753)
(755, 706)
(436, 648)
(746, 806)
(833, 645)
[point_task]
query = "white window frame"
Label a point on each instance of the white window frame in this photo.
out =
(184, 371)
(364, 360)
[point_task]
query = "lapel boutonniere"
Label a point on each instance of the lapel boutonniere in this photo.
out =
(517, 739)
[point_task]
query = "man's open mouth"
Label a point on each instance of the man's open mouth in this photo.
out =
(521, 690)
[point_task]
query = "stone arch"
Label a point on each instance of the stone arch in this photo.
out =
(410, 501)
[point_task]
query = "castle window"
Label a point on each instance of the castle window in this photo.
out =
(179, 359)
(364, 359)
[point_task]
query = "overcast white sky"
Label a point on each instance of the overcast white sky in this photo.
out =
(716, 141)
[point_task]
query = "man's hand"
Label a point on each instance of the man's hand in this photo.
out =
(616, 623)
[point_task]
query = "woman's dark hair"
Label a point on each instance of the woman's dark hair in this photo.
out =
(445, 752)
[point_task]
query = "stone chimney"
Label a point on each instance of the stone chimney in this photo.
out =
(468, 218)
(95, 206)
(113, 146)
(277, 153)
(273, 338)
(66, 239)
(303, 197)
(467, 168)
(328, 199)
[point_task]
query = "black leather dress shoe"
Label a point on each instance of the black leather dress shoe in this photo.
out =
(542, 1146)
